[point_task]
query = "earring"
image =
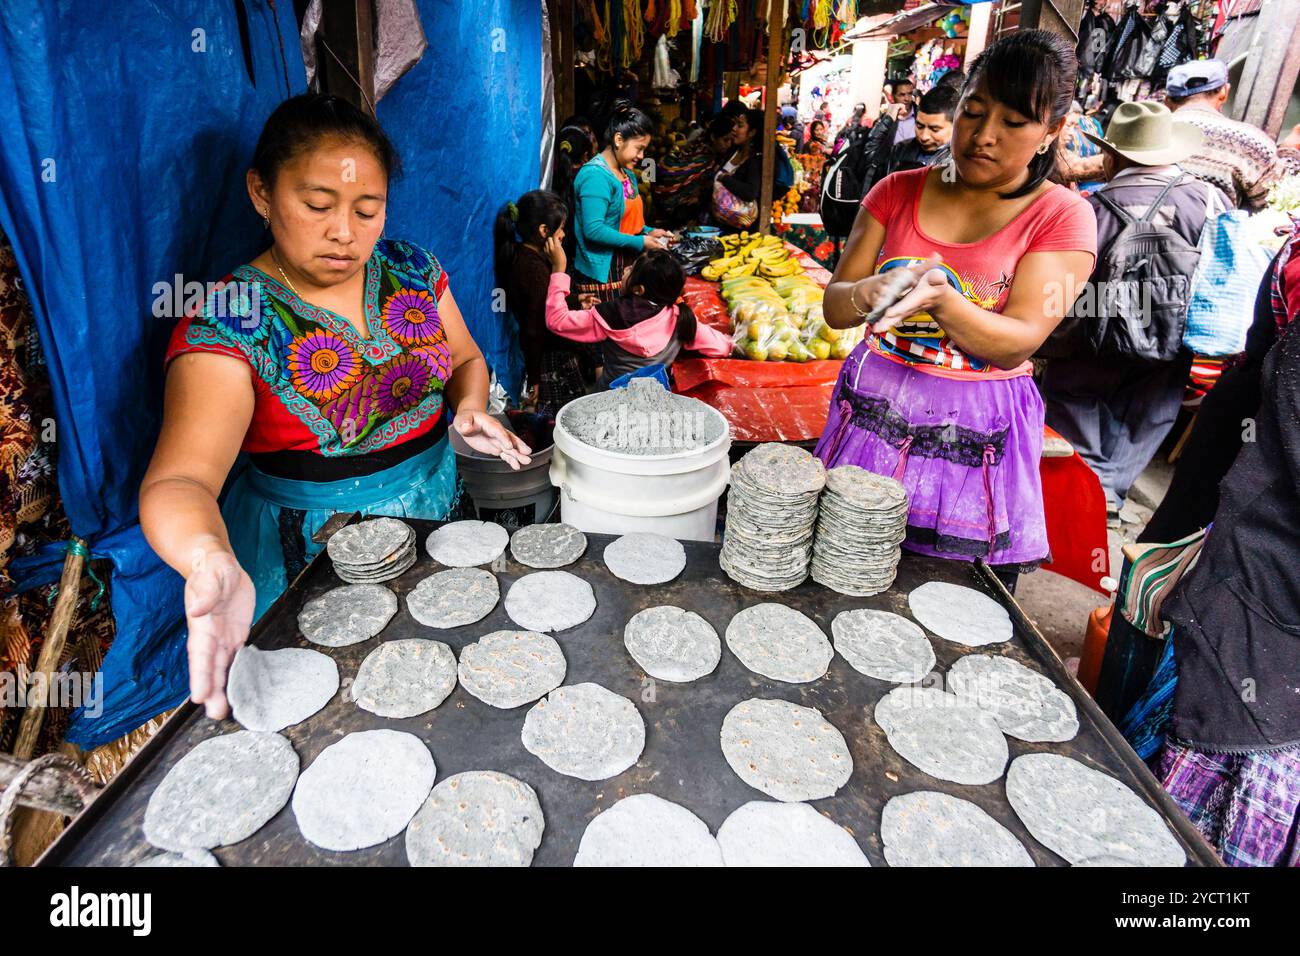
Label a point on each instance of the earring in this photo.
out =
(1044, 148)
(266, 218)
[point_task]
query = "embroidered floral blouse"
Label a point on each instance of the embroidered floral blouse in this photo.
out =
(320, 385)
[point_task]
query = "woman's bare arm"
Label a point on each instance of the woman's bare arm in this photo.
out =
(857, 263)
(207, 407)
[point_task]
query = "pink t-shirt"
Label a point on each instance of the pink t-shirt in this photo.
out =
(982, 271)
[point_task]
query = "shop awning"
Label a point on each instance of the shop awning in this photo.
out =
(901, 23)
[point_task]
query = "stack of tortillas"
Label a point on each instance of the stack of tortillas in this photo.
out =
(862, 522)
(771, 510)
(373, 551)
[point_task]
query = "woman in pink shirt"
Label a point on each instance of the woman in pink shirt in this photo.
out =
(643, 325)
(939, 394)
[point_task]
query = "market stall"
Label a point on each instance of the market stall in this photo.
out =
(682, 760)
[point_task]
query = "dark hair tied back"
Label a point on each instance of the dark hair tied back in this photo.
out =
(301, 123)
(629, 123)
(1031, 72)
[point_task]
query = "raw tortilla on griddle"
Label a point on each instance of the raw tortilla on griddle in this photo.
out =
(221, 792)
(785, 750)
(882, 645)
(272, 690)
(550, 601)
(547, 546)
(405, 678)
(510, 668)
(779, 642)
(672, 644)
(465, 544)
(585, 731)
(1025, 703)
(454, 598)
(1081, 814)
(643, 558)
(942, 735)
(476, 818)
(960, 614)
(929, 828)
(363, 790)
(761, 833)
(347, 615)
(646, 830)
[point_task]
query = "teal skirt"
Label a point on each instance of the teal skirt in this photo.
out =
(271, 520)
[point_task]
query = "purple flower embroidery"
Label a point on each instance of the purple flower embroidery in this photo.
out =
(402, 383)
(437, 357)
(411, 317)
(322, 365)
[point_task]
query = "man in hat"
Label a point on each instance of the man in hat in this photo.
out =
(1117, 411)
(1238, 158)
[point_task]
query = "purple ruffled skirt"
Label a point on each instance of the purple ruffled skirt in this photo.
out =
(966, 451)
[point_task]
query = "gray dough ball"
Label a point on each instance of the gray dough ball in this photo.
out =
(585, 731)
(942, 735)
(271, 690)
(401, 679)
(547, 546)
(779, 642)
(511, 668)
(465, 544)
(454, 598)
(882, 645)
(786, 834)
(672, 644)
(928, 828)
(646, 830)
(787, 751)
(645, 558)
(550, 601)
(1026, 704)
(347, 615)
(1081, 814)
(363, 790)
(221, 792)
(477, 818)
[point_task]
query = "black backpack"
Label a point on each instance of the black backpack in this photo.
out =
(842, 189)
(1135, 307)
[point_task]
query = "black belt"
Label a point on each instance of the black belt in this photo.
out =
(310, 466)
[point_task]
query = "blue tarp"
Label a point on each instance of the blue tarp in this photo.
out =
(128, 128)
(467, 120)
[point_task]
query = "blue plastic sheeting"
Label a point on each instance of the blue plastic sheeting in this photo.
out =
(127, 130)
(467, 120)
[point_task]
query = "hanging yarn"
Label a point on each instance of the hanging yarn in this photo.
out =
(722, 14)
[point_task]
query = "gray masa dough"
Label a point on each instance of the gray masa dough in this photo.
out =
(960, 614)
(645, 558)
(672, 644)
(787, 751)
(271, 690)
(882, 645)
(646, 830)
(363, 790)
(779, 642)
(585, 731)
(786, 834)
(510, 668)
(476, 818)
(221, 792)
(929, 828)
(547, 546)
(464, 544)
(404, 678)
(942, 735)
(550, 601)
(347, 615)
(454, 598)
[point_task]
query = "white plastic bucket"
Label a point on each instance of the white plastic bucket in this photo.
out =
(609, 492)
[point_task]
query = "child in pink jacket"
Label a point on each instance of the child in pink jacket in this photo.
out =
(643, 325)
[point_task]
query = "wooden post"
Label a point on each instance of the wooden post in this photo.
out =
(775, 56)
(48, 661)
(347, 52)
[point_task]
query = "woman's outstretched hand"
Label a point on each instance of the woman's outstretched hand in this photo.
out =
(484, 433)
(219, 602)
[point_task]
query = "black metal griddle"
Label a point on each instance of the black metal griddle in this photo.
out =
(682, 761)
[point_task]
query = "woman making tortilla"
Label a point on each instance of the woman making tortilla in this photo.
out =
(329, 360)
(939, 394)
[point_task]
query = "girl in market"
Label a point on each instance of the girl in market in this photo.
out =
(609, 215)
(331, 360)
(986, 254)
(551, 364)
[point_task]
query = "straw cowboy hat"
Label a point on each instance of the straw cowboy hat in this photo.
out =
(1149, 134)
